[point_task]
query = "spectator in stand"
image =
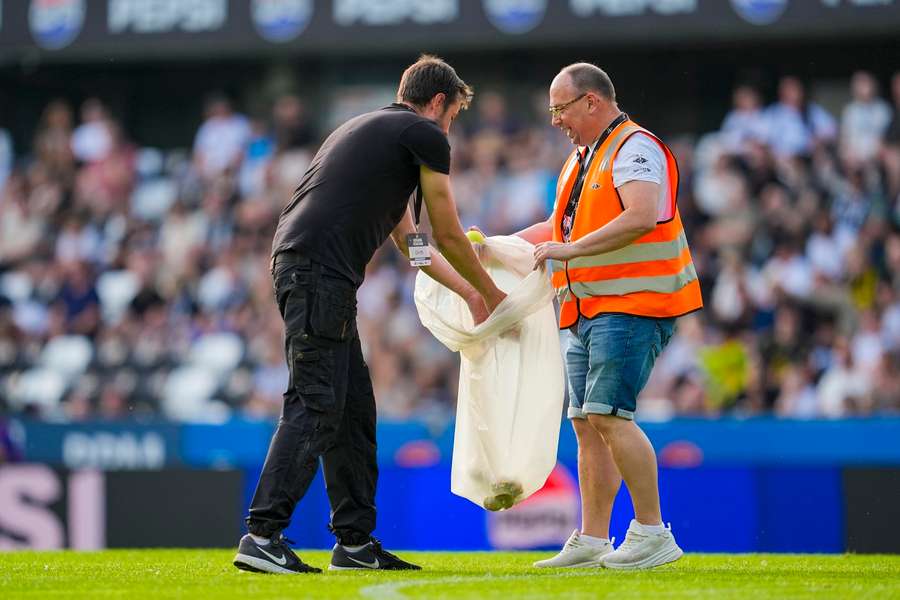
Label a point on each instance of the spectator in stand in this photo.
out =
(797, 126)
(92, 140)
(843, 388)
(221, 139)
(79, 300)
(52, 146)
(22, 228)
(292, 129)
(745, 124)
(890, 154)
(294, 144)
(863, 121)
(493, 116)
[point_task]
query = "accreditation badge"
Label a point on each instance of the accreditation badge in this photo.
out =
(419, 250)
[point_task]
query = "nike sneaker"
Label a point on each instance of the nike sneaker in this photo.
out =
(275, 556)
(371, 556)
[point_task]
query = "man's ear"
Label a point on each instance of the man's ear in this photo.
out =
(437, 102)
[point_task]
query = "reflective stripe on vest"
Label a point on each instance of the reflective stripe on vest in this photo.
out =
(661, 284)
(633, 253)
(558, 266)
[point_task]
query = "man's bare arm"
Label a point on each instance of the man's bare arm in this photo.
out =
(537, 233)
(639, 198)
(449, 236)
(441, 271)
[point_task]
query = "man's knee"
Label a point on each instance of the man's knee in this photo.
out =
(587, 435)
(608, 425)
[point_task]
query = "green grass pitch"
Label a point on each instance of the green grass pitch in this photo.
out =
(198, 574)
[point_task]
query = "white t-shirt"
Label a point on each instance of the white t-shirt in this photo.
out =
(642, 159)
(221, 142)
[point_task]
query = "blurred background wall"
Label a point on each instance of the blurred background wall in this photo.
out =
(146, 149)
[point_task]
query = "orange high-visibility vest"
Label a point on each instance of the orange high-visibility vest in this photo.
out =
(652, 276)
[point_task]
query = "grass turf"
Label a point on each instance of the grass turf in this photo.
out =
(200, 574)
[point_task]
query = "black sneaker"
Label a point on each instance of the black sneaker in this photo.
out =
(371, 556)
(274, 557)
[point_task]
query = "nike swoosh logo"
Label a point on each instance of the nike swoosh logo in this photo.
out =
(372, 565)
(279, 560)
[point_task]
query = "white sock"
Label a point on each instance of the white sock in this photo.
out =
(593, 541)
(354, 548)
(651, 529)
(260, 541)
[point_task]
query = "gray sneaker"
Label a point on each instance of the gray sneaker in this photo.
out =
(275, 556)
(371, 556)
(642, 551)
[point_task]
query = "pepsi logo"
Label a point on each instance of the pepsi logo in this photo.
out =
(515, 16)
(55, 24)
(759, 12)
(281, 20)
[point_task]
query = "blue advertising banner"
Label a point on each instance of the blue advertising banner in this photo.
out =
(678, 443)
(99, 445)
(740, 509)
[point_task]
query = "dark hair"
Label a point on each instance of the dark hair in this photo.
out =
(429, 76)
(590, 78)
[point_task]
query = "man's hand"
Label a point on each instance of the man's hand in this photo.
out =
(554, 250)
(477, 307)
(494, 300)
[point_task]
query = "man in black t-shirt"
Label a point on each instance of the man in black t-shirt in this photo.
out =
(353, 196)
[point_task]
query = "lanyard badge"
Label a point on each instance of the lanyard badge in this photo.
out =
(419, 250)
(417, 243)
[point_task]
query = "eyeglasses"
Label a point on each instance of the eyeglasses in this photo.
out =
(557, 110)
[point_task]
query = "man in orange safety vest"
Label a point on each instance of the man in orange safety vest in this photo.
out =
(620, 263)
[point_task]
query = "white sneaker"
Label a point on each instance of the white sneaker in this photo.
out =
(577, 553)
(643, 551)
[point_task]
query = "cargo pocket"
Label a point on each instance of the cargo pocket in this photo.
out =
(332, 314)
(292, 296)
(312, 373)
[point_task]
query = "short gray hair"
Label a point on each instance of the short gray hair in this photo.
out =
(590, 78)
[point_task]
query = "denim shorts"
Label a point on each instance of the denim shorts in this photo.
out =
(609, 359)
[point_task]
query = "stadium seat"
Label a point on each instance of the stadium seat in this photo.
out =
(186, 394)
(116, 290)
(219, 353)
(68, 355)
(149, 162)
(151, 199)
(16, 285)
(39, 386)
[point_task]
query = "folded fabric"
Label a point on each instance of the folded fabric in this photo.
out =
(511, 381)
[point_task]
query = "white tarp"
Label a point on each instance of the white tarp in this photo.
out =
(511, 380)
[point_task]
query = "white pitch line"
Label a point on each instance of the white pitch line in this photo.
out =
(392, 590)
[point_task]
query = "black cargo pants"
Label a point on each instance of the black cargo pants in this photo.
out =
(329, 407)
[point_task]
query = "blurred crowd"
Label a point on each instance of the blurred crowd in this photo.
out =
(134, 281)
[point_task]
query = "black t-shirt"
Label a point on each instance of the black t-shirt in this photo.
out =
(357, 188)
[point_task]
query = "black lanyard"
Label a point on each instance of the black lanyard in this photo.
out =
(417, 205)
(607, 132)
